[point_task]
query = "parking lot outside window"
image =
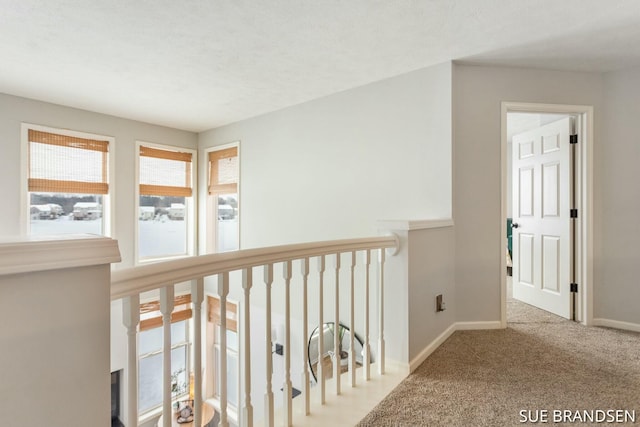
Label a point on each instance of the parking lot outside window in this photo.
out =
(67, 175)
(165, 211)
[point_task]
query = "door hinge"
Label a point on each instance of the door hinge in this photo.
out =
(573, 213)
(573, 287)
(573, 139)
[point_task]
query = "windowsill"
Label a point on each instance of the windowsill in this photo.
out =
(149, 416)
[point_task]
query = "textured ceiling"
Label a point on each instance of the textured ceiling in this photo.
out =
(198, 64)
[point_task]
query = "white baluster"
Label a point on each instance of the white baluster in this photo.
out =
(305, 334)
(247, 409)
(381, 362)
(336, 328)
(367, 347)
(131, 320)
(268, 396)
(166, 307)
(352, 323)
(197, 297)
(320, 368)
(223, 291)
(287, 387)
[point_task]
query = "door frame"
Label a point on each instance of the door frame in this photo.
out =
(584, 202)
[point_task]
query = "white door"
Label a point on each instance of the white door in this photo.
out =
(541, 217)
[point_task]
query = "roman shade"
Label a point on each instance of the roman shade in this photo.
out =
(165, 172)
(223, 171)
(150, 316)
(67, 164)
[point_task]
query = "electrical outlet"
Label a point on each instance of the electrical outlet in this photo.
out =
(279, 349)
(439, 303)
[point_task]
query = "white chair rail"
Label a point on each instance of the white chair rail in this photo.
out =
(128, 284)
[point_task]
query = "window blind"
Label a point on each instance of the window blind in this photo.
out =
(67, 164)
(223, 171)
(165, 172)
(214, 313)
(150, 316)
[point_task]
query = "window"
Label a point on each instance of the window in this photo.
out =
(233, 358)
(67, 181)
(165, 202)
(150, 353)
(223, 199)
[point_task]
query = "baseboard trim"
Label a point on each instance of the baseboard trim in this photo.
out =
(472, 326)
(458, 326)
(617, 324)
(430, 348)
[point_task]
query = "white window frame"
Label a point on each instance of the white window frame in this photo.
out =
(190, 204)
(210, 229)
(213, 346)
(108, 207)
(157, 410)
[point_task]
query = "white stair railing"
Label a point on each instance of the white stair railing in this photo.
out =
(128, 284)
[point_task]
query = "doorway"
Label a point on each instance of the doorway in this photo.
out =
(548, 265)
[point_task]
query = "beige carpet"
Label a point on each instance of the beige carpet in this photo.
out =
(540, 362)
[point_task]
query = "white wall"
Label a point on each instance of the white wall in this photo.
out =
(331, 167)
(55, 346)
(423, 268)
(431, 272)
(478, 93)
(617, 292)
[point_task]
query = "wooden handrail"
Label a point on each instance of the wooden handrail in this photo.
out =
(128, 284)
(133, 281)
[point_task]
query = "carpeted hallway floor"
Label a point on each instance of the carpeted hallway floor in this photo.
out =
(540, 362)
